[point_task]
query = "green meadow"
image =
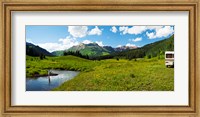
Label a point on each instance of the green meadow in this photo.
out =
(107, 75)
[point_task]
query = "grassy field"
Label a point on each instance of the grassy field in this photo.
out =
(36, 66)
(107, 75)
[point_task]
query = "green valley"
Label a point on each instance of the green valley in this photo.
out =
(108, 75)
(106, 68)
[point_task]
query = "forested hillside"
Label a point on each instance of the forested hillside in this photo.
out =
(156, 49)
(33, 50)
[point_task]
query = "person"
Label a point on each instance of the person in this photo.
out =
(49, 79)
(49, 72)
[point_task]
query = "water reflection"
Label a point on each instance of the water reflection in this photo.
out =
(47, 83)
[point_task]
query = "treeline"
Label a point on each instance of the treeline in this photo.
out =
(156, 49)
(130, 54)
(78, 54)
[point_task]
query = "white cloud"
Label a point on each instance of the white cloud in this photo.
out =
(51, 46)
(136, 39)
(119, 46)
(78, 31)
(87, 41)
(161, 32)
(65, 44)
(29, 41)
(164, 32)
(151, 35)
(82, 31)
(68, 40)
(113, 29)
(132, 45)
(100, 43)
(133, 30)
(137, 30)
(154, 27)
(123, 29)
(95, 31)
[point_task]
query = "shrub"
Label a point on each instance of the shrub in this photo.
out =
(132, 75)
(149, 56)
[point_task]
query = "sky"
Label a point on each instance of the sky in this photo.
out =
(53, 38)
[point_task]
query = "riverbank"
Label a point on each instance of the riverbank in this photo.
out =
(42, 75)
(37, 67)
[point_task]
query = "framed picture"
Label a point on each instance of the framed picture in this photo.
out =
(86, 58)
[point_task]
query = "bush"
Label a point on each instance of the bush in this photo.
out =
(132, 75)
(149, 56)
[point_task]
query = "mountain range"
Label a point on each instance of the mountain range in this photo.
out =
(93, 49)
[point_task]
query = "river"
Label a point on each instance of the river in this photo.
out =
(47, 83)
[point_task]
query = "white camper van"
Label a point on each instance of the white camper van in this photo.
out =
(169, 58)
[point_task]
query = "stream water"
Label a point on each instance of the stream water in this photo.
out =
(47, 83)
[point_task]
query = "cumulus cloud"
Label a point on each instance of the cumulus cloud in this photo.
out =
(100, 43)
(136, 39)
(137, 29)
(154, 27)
(29, 40)
(82, 31)
(51, 46)
(87, 41)
(95, 31)
(62, 44)
(160, 32)
(129, 44)
(113, 29)
(151, 35)
(123, 29)
(132, 30)
(68, 40)
(78, 31)
(119, 45)
(163, 32)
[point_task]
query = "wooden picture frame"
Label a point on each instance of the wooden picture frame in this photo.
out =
(98, 5)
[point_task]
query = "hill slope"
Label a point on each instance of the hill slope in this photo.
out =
(160, 47)
(91, 49)
(58, 53)
(33, 50)
(151, 50)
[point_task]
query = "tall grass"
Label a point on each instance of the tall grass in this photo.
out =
(108, 75)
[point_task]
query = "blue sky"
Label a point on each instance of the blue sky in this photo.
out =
(54, 38)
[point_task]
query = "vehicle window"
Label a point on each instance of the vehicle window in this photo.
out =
(169, 55)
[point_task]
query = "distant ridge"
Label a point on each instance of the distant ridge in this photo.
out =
(93, 49)
(34, 50)
(150, 50)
